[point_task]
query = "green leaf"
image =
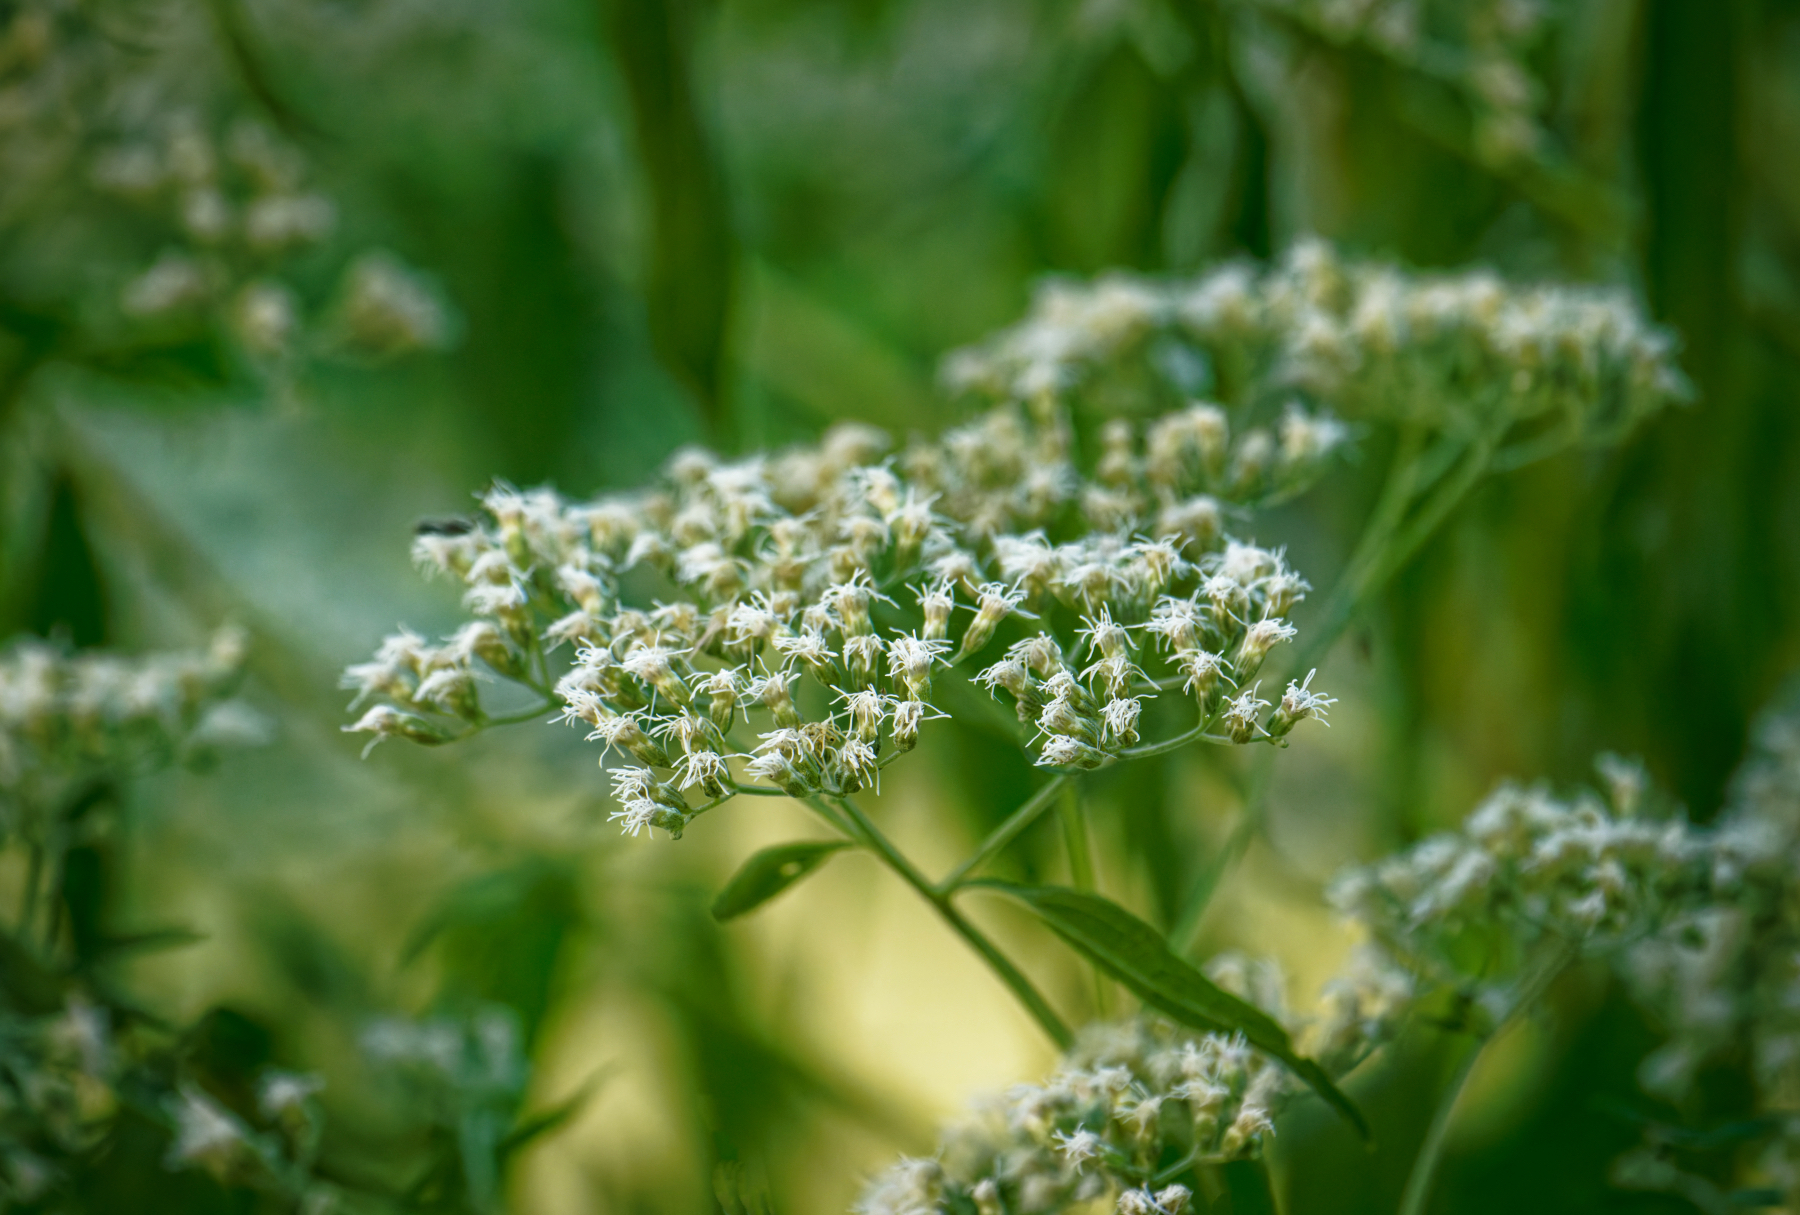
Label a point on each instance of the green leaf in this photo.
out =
(1135, 954)
(768, 873)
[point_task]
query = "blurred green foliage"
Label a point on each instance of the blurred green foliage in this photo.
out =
(661, 221)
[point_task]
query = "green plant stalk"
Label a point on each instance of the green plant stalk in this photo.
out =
(1081, 871)
(1016, 823)
(1431, 1149)
(1390, 540)
(867, 834)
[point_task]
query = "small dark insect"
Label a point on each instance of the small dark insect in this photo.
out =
(454, 525)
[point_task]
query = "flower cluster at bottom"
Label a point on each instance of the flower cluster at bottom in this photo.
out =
(1130, 1115)
(1700, 922)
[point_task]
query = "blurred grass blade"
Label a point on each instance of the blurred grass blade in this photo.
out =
(770, 872)
(1136, 955)
(557, 1116)
(693, 250)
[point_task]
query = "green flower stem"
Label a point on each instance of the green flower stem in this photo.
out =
(1198, 734)
(512, 719)
(997, 840)
(1398, 528)
(1187, 924)
(1431, 1150)
(1081, 871)
(871, 838)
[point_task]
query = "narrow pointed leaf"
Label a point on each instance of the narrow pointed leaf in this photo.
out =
(769, 872)
(1135, 954)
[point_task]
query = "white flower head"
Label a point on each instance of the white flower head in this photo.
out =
(1120, 718)
(635, 816)
(1078, 1147)
(910, 660)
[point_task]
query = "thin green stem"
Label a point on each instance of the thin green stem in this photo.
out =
(1397, 529)
(997, 840)
(1081, 871)
(1352, 585)
(1197, 734)
(1431, 1149)
(1187, 923)
(512, 719)
(847, 829)
(1002, 966)
(1431, 516)
(754, 790)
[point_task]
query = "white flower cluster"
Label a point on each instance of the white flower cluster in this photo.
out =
(240, 205)
(820, 591)
(275, 1154)
(1131, 1114)
(454, 1060)
(1466, 354)
(1722, 978)
(1528, 869)
(61, 1071)
(1702, 923)
(463, 1077)
(66, 718)
(71, 1073)
(1705, 924)
(93, 123)
(1481, 47)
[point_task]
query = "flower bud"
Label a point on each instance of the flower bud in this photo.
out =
(851, 602)
(996, 603)
(1251, 462)
(450, 690)
(774, 695)
(1198, 521)
(1115, 466)
(653, 665)
(854, 766)
(862, 658)
(1281, 591)
(722, 690)
(866, 710)
(908, 715)
(910, 660)
(1061, 751)
(1212, 438)
(1203, 671)
(1258, 640)
(937, 602)
(1298, 704)
(623, 731)
(385, 721)
(1120, 718)
(1243, 715)
(1060, 717)
(703, 767)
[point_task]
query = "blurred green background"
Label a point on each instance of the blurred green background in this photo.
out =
(735, 222)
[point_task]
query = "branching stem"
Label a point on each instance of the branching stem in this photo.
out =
(1431, 1150)
(997, 840)
(870, 836)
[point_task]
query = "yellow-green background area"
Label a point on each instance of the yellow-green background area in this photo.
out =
(736, 222)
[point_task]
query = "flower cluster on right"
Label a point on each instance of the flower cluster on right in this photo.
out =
(1701, 923)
